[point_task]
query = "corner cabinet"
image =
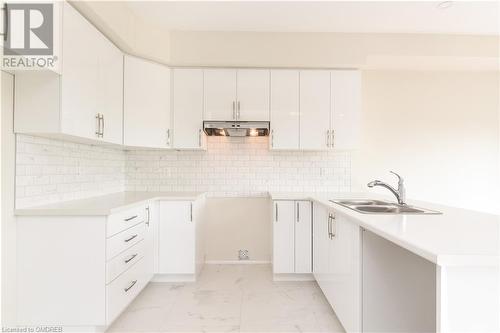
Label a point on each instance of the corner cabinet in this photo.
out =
(337, 264)
(146, 109)
(292, 237)
(85, 101)
(187, 105)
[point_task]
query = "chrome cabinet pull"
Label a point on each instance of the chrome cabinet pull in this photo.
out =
(333, 227)
(168, 137)
(130, 218)
(191, 212)
(332, 140)
(129, 239)
(130, 258)
(98, 125)
(234, 110)
(238, 113)
(199, 137)
(328, 138)
(148, 215)
(298, 212)
(329, 226)
(130, 286)
(102, 129)
(272, 138)
(276, 211)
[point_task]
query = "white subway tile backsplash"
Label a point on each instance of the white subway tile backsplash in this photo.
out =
(50, 170)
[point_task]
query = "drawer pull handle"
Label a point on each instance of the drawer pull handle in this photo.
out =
(130, 218)
(129, 239)
(131, 258)
(131, 285)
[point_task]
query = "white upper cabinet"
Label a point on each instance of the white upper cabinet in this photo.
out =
(252, 95)
(284, 109)
(220, 94)
(241, 94)
(146, 104)
(346, 108)
(314, 109)
(187, 95)
(83, 102)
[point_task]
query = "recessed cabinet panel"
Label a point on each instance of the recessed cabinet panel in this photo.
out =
(314, 109)
(146, 104)
(283, 237)
(252, 95)
(346, 108)
(284, 109)
(188, 108)
(220, 94)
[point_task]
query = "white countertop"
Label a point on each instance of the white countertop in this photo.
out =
(103, 205)
(456, 237)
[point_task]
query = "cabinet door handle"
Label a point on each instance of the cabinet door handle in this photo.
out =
(333, 227)
(332, 140)
(148, 215)
(276, 211)
(329, 226)
(168, 137)
(130, 218)
(199, 137)
(102, 130)
(298, 211)
(328, 138)
(272, 138)
(234, 110)
(98, 125)
(130, 258)
(239, 111)
(130, 286)
(129, 239)
(191, 212)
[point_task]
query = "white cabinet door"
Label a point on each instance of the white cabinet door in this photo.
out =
(346, 108)
(110, 99)
(321, 244)
(303, 237)
(220, 94)
(283, 237)
(314, 109)
(252, 95)
(344, 272)
(188, 108)
(177, 238)
(146, 104)
(80, 78)
(284, 109)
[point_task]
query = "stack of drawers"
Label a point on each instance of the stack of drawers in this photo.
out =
(126, 272)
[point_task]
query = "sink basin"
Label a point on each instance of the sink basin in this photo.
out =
(366, 206)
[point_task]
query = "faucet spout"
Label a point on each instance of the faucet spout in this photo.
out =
(400, 193)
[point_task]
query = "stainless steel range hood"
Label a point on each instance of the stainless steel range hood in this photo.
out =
(236, 128)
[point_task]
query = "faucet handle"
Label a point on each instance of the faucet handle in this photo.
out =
(400, 179)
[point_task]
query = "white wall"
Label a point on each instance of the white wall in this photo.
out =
(238, 167)
(439, 129)
(50, 170)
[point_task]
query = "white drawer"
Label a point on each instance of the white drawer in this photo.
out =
(125, 219)
(124, 261)
(124, 289)
(123, 240)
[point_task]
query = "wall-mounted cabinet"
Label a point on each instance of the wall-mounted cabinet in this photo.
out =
(146, 109)
(187, 101)
(236, 94)
(315, 109)
(83, 102)
(292, 237)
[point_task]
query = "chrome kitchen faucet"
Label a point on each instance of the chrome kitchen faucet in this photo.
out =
(400, 193)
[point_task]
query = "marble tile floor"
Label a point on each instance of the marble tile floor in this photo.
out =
(230, 298)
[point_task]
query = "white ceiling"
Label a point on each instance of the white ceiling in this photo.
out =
(462, 17)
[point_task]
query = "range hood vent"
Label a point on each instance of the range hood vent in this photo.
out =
(236, 128)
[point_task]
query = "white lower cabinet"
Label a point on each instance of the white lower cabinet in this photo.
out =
(337, 264)
(177, 229)
(292, 227)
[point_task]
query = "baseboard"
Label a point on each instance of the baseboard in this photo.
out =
(174, 278)
(236, 262)
(293, 277)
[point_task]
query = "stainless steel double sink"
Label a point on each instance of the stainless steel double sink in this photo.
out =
(382, 207)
